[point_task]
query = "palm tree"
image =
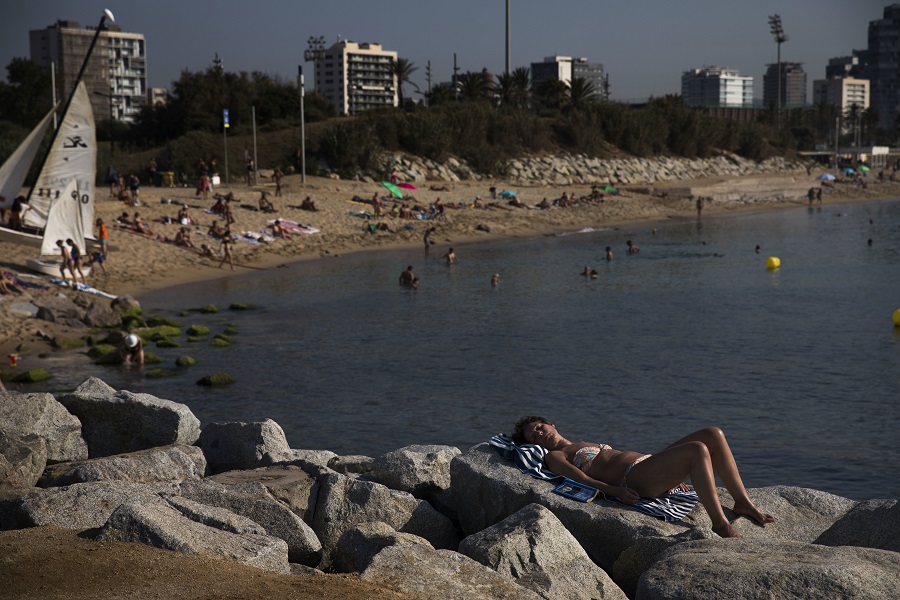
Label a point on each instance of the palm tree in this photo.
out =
(553, 93)
(521, 87)
(581, 92)
(472, 87)
(852, 114)
(440, 94)
(402, 70)
(504, 89)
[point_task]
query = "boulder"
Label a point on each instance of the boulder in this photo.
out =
(533, 548)
(22, 460)
(289, 484)
(120, 422)
(316, 457)
(345, 502)
(125, 303)
(253, 501)
(358, 546)
(770, 569)
(422, 471)
(160, 524)
(83, 505)
(164, 464)
(352, 464)
(41, 415)
(238, 446)
(870, 524)
(100, 314)
(440, 575)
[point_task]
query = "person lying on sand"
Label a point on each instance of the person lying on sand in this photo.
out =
(701, 456)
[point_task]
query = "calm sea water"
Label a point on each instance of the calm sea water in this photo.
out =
(798, 366)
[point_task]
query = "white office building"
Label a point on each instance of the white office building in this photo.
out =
(116, 75)
(566, 68)
(716, 87)
(357, 77)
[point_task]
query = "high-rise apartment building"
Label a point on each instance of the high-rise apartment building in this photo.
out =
(357, 77)
(883, 66)
(716, 87)
(847, 66)
(566, 68)
(843, 93)
(793, 85)
(116, 75)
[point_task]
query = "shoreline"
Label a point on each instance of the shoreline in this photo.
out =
(138, 264)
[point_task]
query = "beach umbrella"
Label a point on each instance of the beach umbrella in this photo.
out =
(609, 188)
(848, 170)
(863, 168)
(826, 177)
(407, 186)
(393, 189)
(507, 194)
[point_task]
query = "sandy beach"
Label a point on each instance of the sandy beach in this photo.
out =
(138, 263)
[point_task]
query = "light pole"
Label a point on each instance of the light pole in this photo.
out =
(301, 84)
(314, 53)
(780, 38)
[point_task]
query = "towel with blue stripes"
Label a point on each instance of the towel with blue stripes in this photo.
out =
(529, 458)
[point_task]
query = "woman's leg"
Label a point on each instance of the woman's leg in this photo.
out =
(725, 467)
(662, 471)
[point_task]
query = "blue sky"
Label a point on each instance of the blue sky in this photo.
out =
(644, 44)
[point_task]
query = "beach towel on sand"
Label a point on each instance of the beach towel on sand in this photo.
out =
(529, 458)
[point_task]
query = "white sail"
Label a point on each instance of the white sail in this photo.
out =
(73, 156)
(64, 221)
(15, 169)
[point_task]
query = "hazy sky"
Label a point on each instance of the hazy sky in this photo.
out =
(644, 44)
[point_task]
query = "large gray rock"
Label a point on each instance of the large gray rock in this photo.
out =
(162, 525)
(288, 483)
(167, 463)
(22, 460)
(487, 489)
(358, 546)
(440, 575)
(352, 464)
(759, 569)
(40, 414)
(83, 505)
(423, 471)
(870, 524)
(237, 446)
(534, 548)
(316, 457)
(101, 314)
(253, 501)
(119, 422)
(345, 502)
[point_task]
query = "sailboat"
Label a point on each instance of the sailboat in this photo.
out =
(61, 203)
(62, 199)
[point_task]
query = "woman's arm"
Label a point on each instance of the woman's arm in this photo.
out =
(556, 462)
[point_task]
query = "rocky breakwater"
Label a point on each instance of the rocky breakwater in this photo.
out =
(430, 521)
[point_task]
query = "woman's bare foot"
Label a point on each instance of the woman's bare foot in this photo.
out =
(749, 510)
(726, 531)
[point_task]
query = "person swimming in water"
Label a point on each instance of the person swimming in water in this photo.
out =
(629, 476)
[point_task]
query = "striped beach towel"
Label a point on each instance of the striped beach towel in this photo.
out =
(529, 458)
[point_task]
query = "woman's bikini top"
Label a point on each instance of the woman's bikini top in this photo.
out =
(584, 457)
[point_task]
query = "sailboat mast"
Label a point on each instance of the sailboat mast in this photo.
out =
(107, 15)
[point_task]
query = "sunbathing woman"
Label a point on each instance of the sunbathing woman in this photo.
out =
(700, 456)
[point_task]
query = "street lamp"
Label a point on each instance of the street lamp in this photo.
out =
(314, 54)
(780, 38)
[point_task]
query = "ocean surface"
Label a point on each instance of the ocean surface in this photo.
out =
(799, 366)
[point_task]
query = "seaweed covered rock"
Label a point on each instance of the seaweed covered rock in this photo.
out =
(197, 330)
(160, 373)
(32, 376)
(216, 379)
(98, 350)
(68, 343)
(218, 342)
(185, 361)
(208, 309)
(241, 306)
(159, 321)
(167, 343)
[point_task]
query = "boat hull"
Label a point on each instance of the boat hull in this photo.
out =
(49, 266)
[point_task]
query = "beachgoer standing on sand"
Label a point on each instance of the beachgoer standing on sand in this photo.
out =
(277, 175)
(227, 242)
(450, 257)
(251, 168)
(66, 264)
(699, 205)
(407, 277)
(103, 236)
(75, 260)
(609, 254)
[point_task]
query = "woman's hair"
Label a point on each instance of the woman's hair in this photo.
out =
(518, 434)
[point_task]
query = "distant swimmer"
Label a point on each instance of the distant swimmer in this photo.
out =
(495, 279)
(870, 241)
(450, 257)
(594, 274)
(609, 254)
(632, 248)
(586, 272)
(407, 277)
(758, 249)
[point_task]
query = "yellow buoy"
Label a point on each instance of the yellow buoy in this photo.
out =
(897, 318)
(773, 262)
